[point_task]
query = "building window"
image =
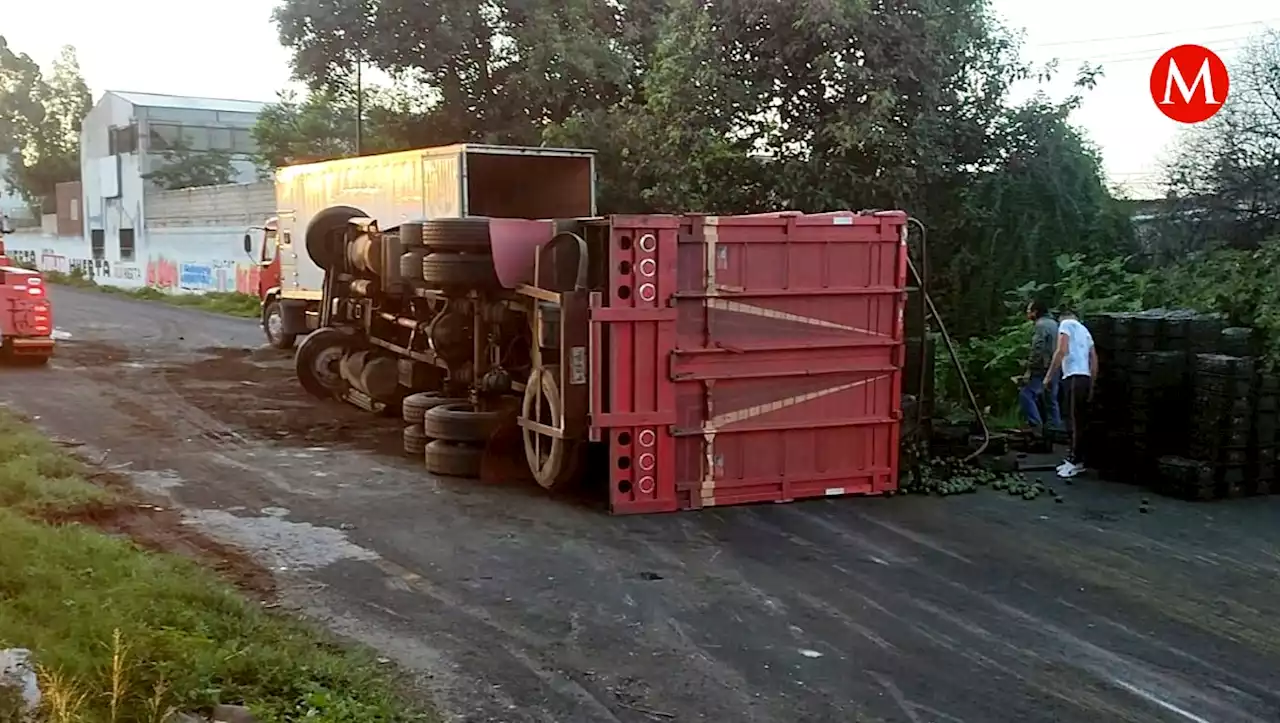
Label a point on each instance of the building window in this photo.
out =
(220, 139)
(164, 136)
(126, 244)
(122, 140)
(98, 244)
(195, 137)
(75, 209)
(242, 141)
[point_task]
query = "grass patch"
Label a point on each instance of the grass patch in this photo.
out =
(231, 303)
(122, 634)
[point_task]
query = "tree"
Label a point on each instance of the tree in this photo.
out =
(497, 71)
(44, 118)
(322, 124)
(1224, 176)
(739, 105)
(185, 168)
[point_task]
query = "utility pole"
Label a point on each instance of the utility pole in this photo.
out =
(359, 110)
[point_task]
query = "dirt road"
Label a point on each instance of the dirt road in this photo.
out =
(519, 608)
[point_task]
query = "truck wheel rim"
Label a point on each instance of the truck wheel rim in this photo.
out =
(275, 325)
(542, 405)
(325, 367)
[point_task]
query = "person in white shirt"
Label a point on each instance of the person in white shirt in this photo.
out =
(1076, 358)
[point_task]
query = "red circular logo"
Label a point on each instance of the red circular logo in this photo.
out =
(1189, 83)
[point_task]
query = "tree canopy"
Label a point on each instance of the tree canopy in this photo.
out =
(40, 117)
(1224, 178)
(733, 106)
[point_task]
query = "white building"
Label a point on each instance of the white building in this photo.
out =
(124, 137)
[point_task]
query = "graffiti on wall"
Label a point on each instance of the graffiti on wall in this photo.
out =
(23, 257)
(92, 268)
(162, 273)
(126, 272)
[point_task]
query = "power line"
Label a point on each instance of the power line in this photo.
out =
(1152, 54)
(1086, 41)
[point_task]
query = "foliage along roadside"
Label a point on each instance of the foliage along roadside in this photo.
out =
(115, 627)
(230, 303)
(1240, 284)
(735, 107)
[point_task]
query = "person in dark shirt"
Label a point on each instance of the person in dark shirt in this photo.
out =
(1044, 341)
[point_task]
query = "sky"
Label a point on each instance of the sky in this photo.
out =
(230, 50)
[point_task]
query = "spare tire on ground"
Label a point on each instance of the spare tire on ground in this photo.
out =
(450, 459)
(414, 440)
(415, 406)
(460, 422)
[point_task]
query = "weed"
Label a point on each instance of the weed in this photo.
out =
(121, 634)
(231, 303)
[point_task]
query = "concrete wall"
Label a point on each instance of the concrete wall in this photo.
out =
(192, 241)
(237, 205)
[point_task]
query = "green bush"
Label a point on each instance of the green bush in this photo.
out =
(1243, 285)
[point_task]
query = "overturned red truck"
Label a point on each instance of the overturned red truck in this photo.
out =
(26, 320)
(675, 361)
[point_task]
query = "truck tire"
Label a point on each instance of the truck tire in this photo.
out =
(273, 327)
(449, 459)
(415, 441)
(460, 271)
(318, 360)
(464, 235)
(415, 406)
(411, 265)
(411, 234)
(460, 422)
(323, 246)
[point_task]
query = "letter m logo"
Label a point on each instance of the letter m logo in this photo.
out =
(1189, 84)
(1174, 77)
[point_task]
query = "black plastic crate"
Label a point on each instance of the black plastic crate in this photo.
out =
(1238, 341)
(1185, 479)
(1225, 365)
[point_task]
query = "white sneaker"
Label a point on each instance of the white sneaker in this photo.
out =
(1069, 470)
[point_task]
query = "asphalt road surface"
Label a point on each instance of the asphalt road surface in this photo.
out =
(517, 607)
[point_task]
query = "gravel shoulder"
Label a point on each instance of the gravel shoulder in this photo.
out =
(517, 607)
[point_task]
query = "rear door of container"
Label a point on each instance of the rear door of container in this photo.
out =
(788, 357)
(761, 364)
(534, 183)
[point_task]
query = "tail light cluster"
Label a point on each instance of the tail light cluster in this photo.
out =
(40, 310)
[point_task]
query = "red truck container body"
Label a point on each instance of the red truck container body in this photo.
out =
(749, 358)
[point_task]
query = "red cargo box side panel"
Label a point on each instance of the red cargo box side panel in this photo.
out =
(788, 356)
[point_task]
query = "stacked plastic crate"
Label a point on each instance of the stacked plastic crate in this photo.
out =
(1141, 403)
(1182, 405)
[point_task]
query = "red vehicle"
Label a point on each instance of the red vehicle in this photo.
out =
(693, 361)
(26, 320)
(266, 239)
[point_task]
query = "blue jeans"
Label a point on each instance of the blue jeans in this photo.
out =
(1028, 399)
